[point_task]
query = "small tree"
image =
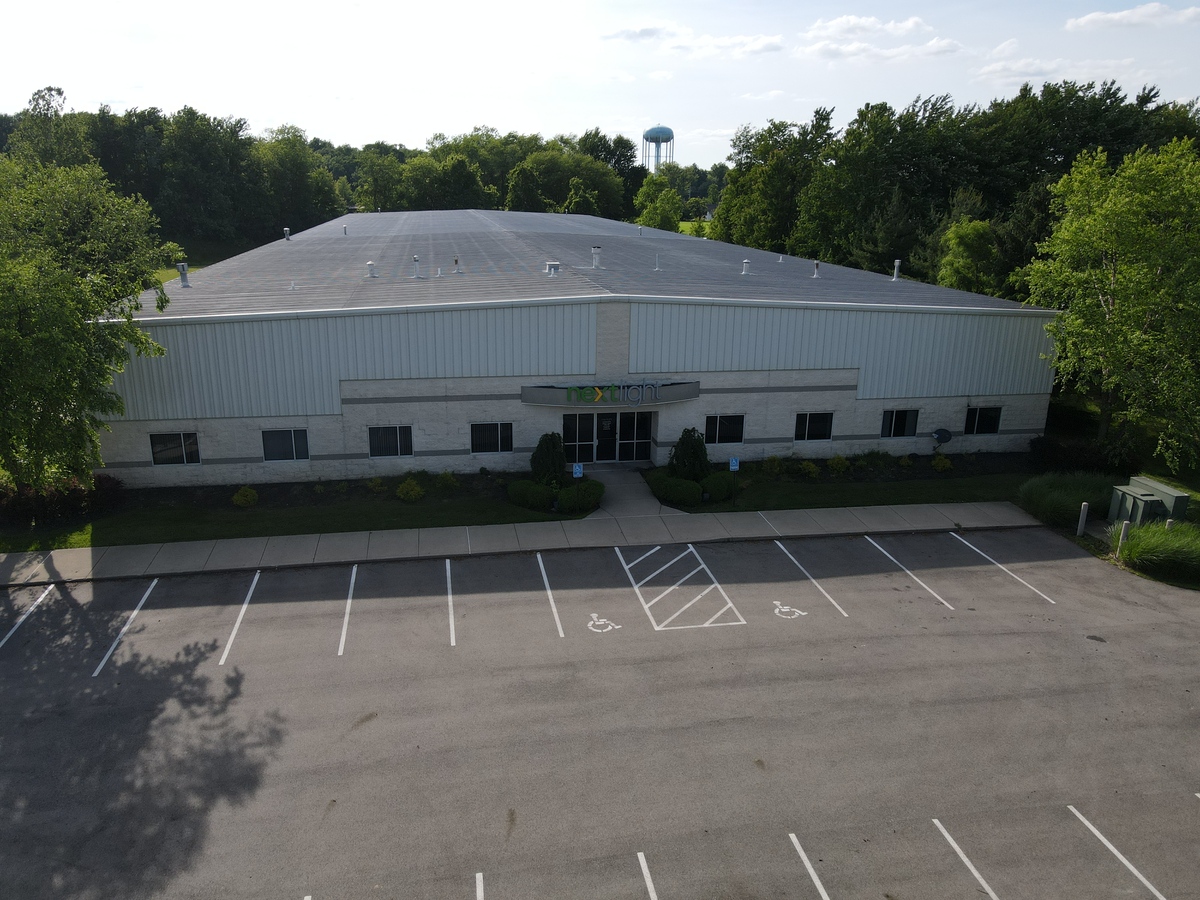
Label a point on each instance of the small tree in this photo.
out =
(689, 456)
(548, 461)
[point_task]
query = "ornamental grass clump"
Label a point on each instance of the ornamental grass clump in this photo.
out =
(1056, 497)
(1153, 549)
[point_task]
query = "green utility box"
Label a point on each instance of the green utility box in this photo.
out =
(1146, 500)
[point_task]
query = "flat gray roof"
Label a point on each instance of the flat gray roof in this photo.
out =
(502, 258)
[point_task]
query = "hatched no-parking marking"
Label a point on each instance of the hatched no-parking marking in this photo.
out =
(678, 593)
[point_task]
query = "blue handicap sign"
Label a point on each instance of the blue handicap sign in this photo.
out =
(734, 464)
(577, 470)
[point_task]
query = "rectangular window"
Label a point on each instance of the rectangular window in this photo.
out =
(723, 429)
(899, 423)
(814, 426)
(492, 437)
(286, 443)
(175, 449)
(982, 420)
(390, 440)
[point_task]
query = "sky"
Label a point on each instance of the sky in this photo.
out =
(358, 71)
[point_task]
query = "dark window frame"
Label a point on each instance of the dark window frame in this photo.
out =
(807, 433)
(482, 442)
(188, 450)
(402, 438)
(718, 429)
(990, 415)
(297, 439)
(907, 418)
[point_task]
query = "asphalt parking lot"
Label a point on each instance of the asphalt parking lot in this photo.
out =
(991, 714)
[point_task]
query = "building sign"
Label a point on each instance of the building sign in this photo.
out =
(630, 394)
(624, 394)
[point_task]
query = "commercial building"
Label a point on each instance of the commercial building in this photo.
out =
(377, 343)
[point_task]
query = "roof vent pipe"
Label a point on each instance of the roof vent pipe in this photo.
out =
(745, 267)
(816, 268)
(287, 234)
(896, 271)
(780, 258)
(182, 269)
(639, 231)
(343, 229)
(371, 270)
(552, 267)
(595, 257)
(416, 266)
(656, 268)
(457, 270)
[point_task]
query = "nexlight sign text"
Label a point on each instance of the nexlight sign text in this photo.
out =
(622, 394)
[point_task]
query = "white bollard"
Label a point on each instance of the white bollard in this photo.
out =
(1170, 524)
(1082, 520)
(1124, 535)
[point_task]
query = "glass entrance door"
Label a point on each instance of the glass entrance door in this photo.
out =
(607, 436)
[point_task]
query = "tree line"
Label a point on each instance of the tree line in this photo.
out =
(961, 194)
(210, 179)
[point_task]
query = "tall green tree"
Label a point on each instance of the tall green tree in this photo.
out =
(75, 256)
(45, 135)
(1122, 265)
(658, 204)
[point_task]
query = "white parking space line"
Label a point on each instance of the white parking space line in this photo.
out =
(910, 574)
(816, 583)
(238, 623)
(646, 875)
(450, 601)
(983, 884)
(812, 873)
(662, 569)
(676, 584)
(1005, 568)
(550, 594)
(645, 555)
(1116, 853)
(25, 615)
(125, 627)
(346, 620)
(702, 567)
(478, 886)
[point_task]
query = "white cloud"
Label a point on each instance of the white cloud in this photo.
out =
(1018, 71)
(859, 50)
(854, 26)
(638, 34)
(1008, 48)
(660, 75)
(1146, 14)
(766, 95)
(735, 46)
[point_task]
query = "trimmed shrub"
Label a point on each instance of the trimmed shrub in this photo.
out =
(446, 481)
(1055, 498)
(106, 493)
(689, 457)
(720, 485)
(809, 469)
(838, 465)
(409, 491)
(673, 491)
(531, 495)
(376, 486)
(1152, 549)
(905, 461)
(548, 461)
(772, 467)
(583, 496)
(245, 497)
(941, 463)
(1116, 454)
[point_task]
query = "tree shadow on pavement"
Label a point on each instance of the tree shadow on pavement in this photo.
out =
(108, 782)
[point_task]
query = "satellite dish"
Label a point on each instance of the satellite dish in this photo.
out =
(942, 436)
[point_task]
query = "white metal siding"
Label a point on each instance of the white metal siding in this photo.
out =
(899, 353)
(293, 366)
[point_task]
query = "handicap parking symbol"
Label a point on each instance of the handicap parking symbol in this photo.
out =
(787, 612)
(600, 625)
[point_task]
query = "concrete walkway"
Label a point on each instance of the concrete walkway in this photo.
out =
(629, 516)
